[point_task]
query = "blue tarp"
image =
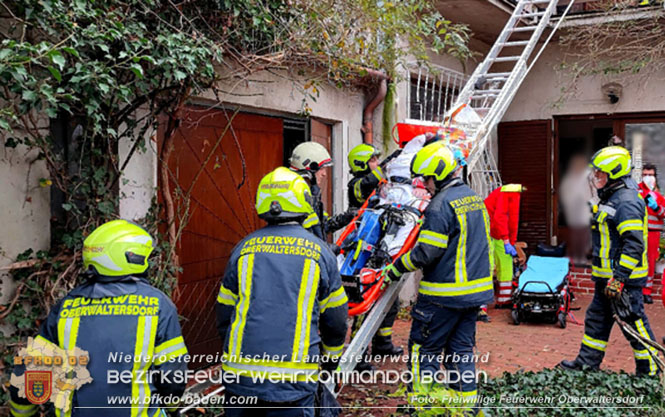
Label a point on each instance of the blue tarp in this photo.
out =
(547, 269)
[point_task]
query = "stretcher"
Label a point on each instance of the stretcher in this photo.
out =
(360, 246)
(543, 290)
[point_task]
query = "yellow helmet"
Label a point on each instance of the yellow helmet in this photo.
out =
(310, 156)
(117, 248)
(360, 156)
(613, 160)
(434, 160)
(283, 194)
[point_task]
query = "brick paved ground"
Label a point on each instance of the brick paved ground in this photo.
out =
(529, 346)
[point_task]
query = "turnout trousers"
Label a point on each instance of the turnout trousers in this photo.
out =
(598, 325)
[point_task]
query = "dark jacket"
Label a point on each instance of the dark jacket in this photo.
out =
(362, 184)
(453, 249)
(117, 316)
(319, 222)
(619, 232)
(281, 296)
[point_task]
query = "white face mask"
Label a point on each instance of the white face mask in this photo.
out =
(649, 181)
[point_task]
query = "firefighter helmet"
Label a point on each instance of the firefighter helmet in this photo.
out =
(117, 248)
(360, 156)
(283, 194)
(613, 160)
(310, 156)
(434, 160)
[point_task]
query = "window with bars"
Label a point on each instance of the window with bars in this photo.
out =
(431, 94)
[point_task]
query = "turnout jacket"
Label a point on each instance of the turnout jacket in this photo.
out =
(118, 316)
(362, 184)
(619, 233)
(281, 297)
(453, 249)
(319, 222)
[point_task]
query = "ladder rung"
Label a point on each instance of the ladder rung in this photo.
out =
(507, 58)
(536, 1)
(479, 96)
(497, 75)
(516, 43)
(524, 28)
(528, 15)
(488, 91)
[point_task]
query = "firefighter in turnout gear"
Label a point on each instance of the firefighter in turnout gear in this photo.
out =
(619, 265)
(368, 173)
(311, 161)
(503, 207)
(453, 250)
(116, 311)
(281, 305)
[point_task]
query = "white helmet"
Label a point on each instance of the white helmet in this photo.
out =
(309, 157)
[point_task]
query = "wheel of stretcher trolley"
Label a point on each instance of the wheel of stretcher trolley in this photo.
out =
(562, 319)
(515, 314)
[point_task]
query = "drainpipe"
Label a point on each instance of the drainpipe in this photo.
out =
(368, 113)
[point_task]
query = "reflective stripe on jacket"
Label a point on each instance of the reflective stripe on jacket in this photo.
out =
(454, 249)
(619, 235)
(281, 304)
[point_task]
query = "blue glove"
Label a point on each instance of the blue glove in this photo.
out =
(510, 249)
(651, 202)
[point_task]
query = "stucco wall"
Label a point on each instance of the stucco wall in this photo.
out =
(539, 95)
(25, 209)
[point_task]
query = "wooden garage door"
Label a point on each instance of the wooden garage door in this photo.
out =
(221, 205)
(525, 150)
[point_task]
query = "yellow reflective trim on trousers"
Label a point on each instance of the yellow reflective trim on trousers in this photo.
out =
(68, 329)
(335, 299)
(309, 284)
(406, 260)
(144, 348)
(460, 257)
(596, 344)
(226, 297)
(415, 366)
(245, 269)
(627, 225)
(385, 331)
(639, 324)
(455, 289)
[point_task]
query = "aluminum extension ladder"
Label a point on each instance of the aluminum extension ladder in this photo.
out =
(490, 93)
(493, 91)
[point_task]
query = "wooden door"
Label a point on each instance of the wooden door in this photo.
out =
(221, 172)
(525, 157)
(322, 133)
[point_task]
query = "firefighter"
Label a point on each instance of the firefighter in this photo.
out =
(312, 162)
(656, 213)
(116, 311)
(280, 306)
(368, 173)
(453, 250)
(619, 266)
(503, 207)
